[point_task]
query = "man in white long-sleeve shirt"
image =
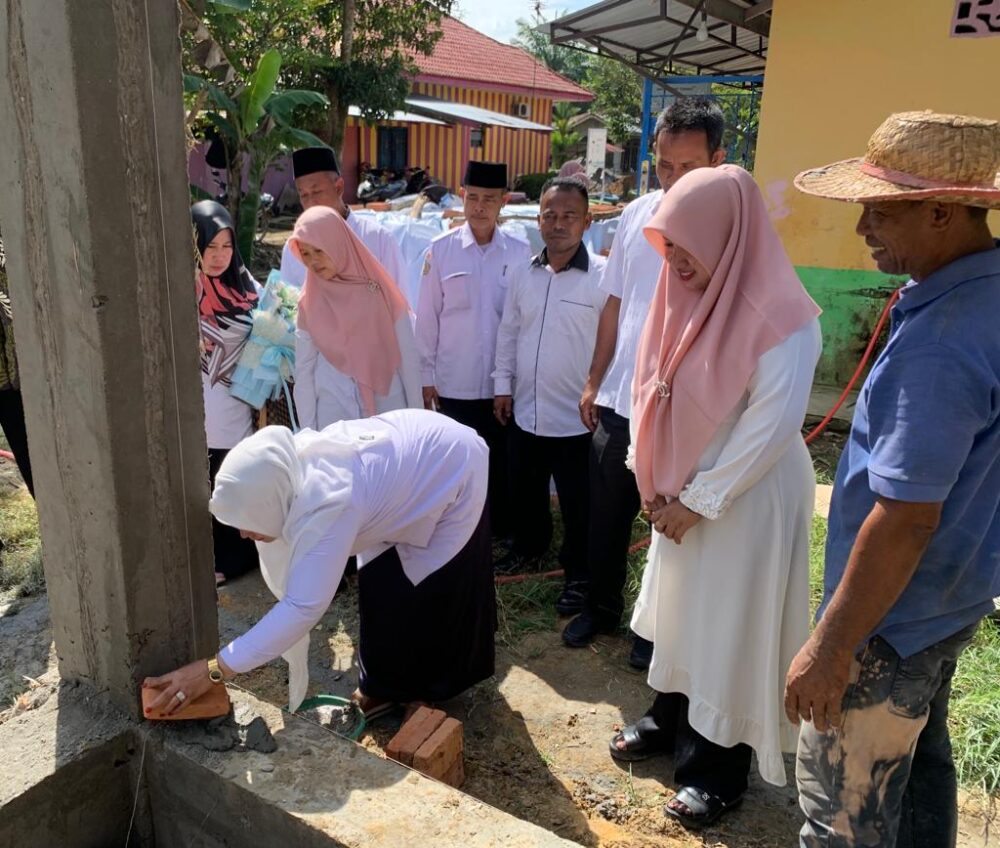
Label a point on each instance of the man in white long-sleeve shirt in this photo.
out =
(545, 339)
(318, 180)
(462, 292)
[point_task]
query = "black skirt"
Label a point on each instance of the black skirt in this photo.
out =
(432, 641)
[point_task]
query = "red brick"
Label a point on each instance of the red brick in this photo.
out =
(456, 774)
(441, 755)
(415, 731)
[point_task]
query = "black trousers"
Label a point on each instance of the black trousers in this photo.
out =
(534, 460)
(234, 555)
(697, 761)
(478, 414)
(12, 422)
(614, 504)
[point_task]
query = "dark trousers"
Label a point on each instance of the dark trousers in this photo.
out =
(698, 763)
(12, 422)
(902, 792)
(536, 459)
(478, 414)
(234, 555)
(614, 504)
(431, 641)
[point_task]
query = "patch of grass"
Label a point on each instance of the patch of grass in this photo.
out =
(524, 608)
(974, 713)
(817, 548)
(21, 560)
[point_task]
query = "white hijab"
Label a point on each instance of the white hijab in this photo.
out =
(291, 487)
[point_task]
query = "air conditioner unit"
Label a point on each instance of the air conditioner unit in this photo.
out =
(522, 110)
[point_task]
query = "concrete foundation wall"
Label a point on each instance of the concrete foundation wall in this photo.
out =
(85, 804)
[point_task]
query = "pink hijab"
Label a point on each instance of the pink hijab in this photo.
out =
(699, 349)
(352, 320)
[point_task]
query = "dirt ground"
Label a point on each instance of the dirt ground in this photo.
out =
(536, 735)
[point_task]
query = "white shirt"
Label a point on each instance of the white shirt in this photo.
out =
(631, 274)
(461, 302)
(228, 421)
(546, 339)
(420, 486)
(324, 395)
(375, 237)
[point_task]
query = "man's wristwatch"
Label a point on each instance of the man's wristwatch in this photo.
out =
(214, 671)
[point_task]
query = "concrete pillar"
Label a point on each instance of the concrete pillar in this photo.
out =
(94, 207)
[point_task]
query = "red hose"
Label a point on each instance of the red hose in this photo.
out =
(819, 428)
(813, 434)
(7, 455)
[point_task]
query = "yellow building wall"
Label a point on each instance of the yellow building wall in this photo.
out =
(835, 70)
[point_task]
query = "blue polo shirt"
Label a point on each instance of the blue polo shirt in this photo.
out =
(927, 429)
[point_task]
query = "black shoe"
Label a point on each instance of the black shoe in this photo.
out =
(641, 655)
(581, 631)
(572, 599)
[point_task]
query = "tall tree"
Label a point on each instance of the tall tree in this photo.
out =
(356, 52)
(569, 62)
(617, 96)
(563, 138)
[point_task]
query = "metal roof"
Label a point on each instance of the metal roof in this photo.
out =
(409, 117)
(465, 114)
(656, 37)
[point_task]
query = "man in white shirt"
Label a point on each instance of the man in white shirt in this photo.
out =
(545, 339)
(318, 180)
(687, 135)
(462, 293)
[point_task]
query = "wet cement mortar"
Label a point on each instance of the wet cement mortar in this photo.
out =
(536, 734)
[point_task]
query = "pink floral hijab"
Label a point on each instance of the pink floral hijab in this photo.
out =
(698, 350)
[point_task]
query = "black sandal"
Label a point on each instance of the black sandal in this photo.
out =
(637, 742)
(705, 807)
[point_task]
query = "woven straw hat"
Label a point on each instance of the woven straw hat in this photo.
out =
(918, 156)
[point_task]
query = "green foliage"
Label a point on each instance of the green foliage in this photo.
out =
(563, 139)
(531, 184)
(570, 62)
(617, 88)
(618, 96)
(255, 121)
(371, 72)
(974, 713)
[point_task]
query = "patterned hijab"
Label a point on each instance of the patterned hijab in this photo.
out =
(224, 302)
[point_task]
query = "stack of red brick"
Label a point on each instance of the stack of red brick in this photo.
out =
(431, 743)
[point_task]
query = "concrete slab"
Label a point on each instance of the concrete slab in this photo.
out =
(823, 398)
(76, 768)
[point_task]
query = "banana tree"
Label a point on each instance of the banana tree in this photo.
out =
(256, 126)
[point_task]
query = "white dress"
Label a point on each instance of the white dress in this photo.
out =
(324, 395)
(728, 609)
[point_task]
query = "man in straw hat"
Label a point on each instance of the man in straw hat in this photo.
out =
(912, 552)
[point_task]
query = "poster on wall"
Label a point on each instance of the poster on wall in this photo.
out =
(975, 18)
(597, 148)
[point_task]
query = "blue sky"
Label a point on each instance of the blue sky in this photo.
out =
(498, 18)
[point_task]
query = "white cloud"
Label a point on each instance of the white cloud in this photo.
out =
(499, 19)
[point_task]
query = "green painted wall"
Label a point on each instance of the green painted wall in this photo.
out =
(851, 302)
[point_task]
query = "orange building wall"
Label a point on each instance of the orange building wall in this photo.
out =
(446, 150)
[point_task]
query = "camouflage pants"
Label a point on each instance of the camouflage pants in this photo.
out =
(886, 778)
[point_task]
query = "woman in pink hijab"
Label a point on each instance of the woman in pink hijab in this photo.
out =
(355, 354)
(723, 375)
